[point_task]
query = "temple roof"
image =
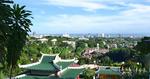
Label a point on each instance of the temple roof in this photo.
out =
(40, 77)
(47, 59)
(109, 71)
(52, 63)
(71, 73)
(49, 63)
(43, 67)
(44, 64)
(64, 64)
(34, 77)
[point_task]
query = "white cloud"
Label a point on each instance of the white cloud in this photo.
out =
(135, 18)
(137, 9)
(88, 5)
(42, 12)
(94, 23)
(147, 0)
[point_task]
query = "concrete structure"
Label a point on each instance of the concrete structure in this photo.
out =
(72, 43)
(43, 40)
(54, 41)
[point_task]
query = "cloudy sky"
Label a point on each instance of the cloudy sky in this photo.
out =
(89, 16)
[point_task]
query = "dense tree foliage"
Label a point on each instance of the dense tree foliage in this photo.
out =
(14, 28)
(4, 28)
(122, 54)
(144, 46)
(89, 73)
(106, 61)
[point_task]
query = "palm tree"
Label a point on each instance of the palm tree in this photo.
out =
(18, 34)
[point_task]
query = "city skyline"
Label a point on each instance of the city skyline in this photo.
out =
(89, 16)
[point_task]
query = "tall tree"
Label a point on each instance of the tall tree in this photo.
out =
(18, 34)
(5, 21)
(144, 47)
(14, 28)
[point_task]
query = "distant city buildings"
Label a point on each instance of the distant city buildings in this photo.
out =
(66, 35)
(102, 35)
(83, 38)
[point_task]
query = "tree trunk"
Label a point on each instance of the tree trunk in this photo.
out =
(149, 72)
(10, 71)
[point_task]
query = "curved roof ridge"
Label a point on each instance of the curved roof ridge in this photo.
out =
(36, 63)
(49, 54)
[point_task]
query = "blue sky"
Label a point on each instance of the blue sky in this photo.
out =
(89, 16)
